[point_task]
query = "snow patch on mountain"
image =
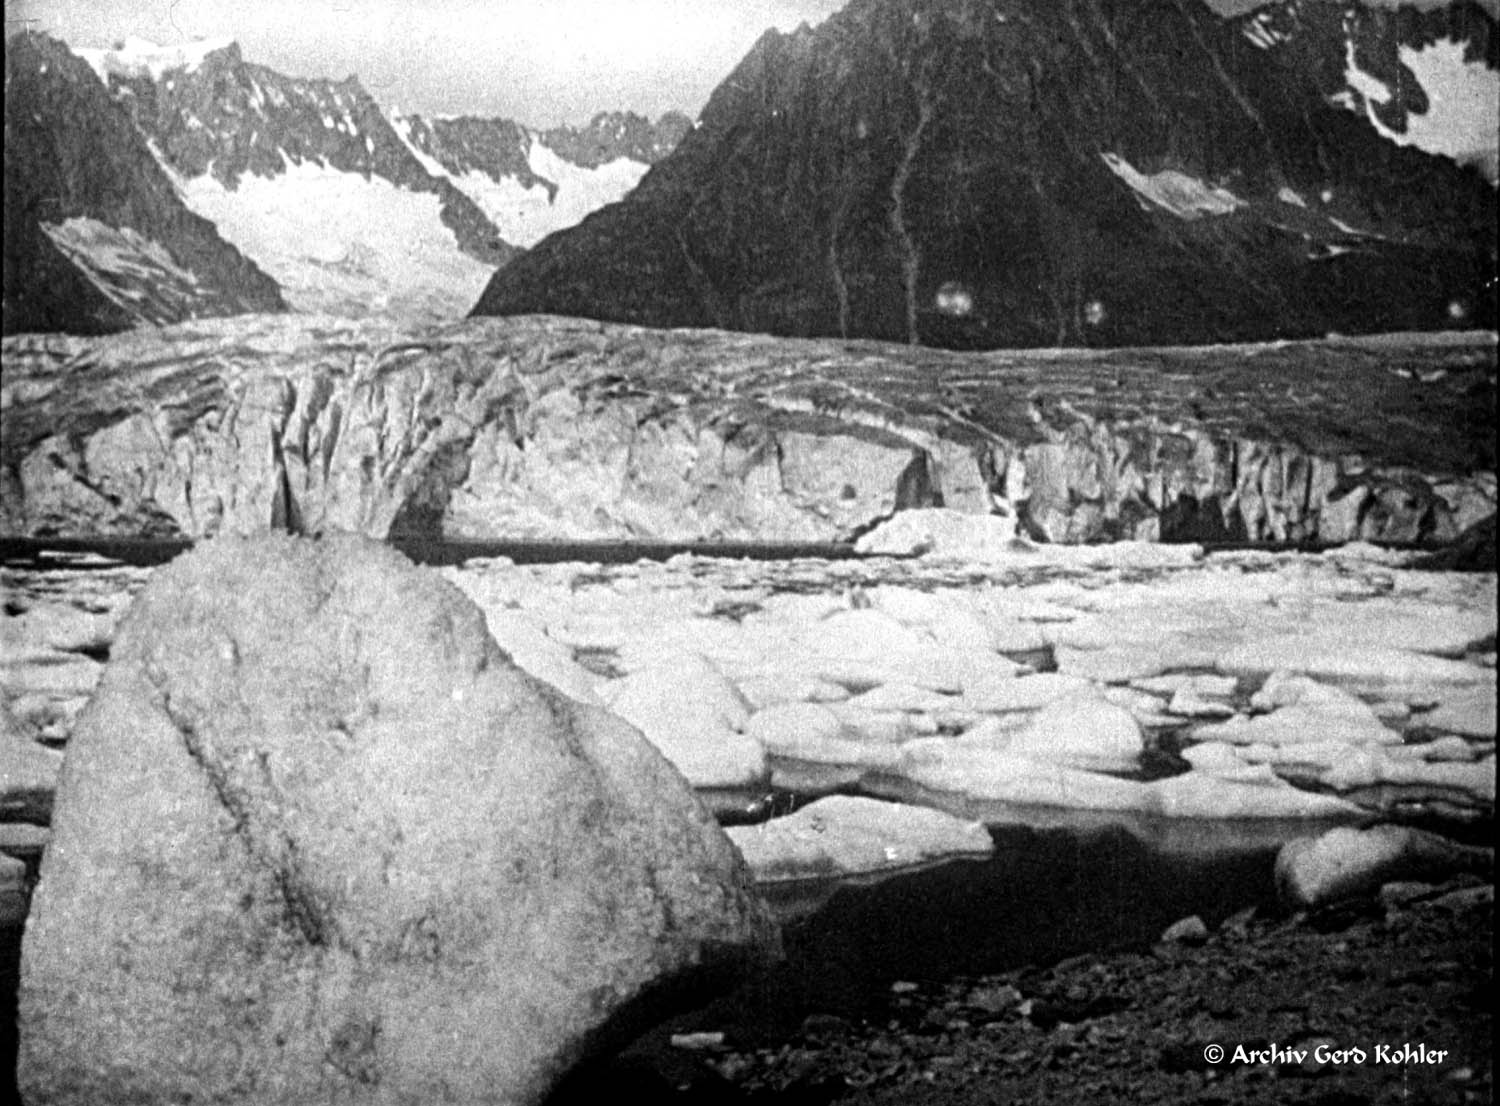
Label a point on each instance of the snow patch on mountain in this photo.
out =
(1463, 102)
(1183, 195)
(403, 126)
(579, 192)
(133, 271)
(525, 214)
(342, 244)
(139, 57)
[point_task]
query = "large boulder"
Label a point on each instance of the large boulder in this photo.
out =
(318, 840)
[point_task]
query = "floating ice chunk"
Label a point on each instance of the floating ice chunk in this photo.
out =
(902, 697)
(1412, 623)
(1371, 669)
(883, 725)
(1348, 863)
(973, 771)
(1249, 793)
(1214, 757)
(1368, 767)
(1025, 692)
(1302, 724)
(688, 710)
(942, 534)
(864, 648)
(785, 727)
(1285, 689)
(1145, 708)
(770, 689)
(1191, 703)
(814, 735)
(842, 835)
(1084, 731)
(1207, 687)
(1131, 660)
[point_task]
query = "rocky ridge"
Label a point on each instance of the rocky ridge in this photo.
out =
(354, 212)
(565, 429)
(306, 175)
(228, 118)
(533, 182)
(97, 238)
(1008, 174)
(500, 147)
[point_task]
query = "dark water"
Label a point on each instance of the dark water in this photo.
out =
(24, 552)
(1043, 896)
(149, 552)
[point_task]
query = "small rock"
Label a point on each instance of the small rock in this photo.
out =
(1186, 931)
(698, 1042)
(1238, 923)
(994, 1000)
(1404, 892)
(825, 1025)
(1465, 897)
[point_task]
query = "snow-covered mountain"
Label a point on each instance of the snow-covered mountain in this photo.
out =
(352, 211)
(531, 183)
(999, 173)
(97, 238)
(307, 177)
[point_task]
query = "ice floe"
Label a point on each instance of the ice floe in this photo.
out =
(689, 711)
(1345, 862)
(843, 835)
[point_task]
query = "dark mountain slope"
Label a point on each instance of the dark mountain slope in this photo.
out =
(96, 237)
(988, 173)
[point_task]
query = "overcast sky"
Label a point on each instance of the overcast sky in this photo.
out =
(541, 62)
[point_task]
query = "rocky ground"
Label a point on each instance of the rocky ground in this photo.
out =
(1332, 1007)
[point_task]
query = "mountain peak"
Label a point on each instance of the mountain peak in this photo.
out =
(139, 57)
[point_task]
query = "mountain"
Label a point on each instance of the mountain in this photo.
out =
(308, 177)
(993, 173)
(96, 237)
(530, 182)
